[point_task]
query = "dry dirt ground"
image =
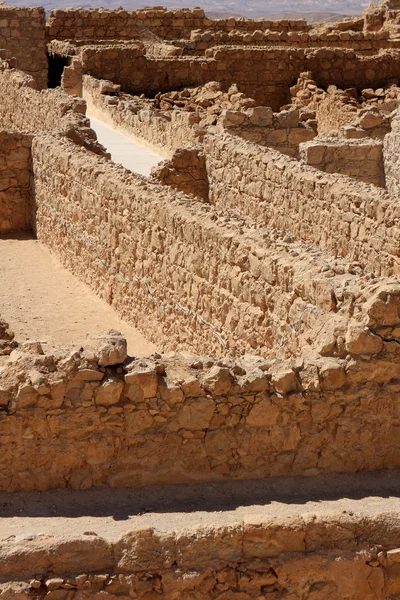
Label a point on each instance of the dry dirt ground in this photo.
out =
(109, 513)
(42, 301)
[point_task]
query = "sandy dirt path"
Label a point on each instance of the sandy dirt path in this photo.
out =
(43, 301)
(110, 512)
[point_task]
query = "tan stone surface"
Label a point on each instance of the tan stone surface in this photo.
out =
(15, 173)
(344, 218)
(280, 550)
(250, 273)
(26, 109)
(22, 34)
(281, 279)
(361, 159)
(66, 420)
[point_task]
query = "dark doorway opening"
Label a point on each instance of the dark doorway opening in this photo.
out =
(57, 64)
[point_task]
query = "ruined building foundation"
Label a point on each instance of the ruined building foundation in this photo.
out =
(200, 347)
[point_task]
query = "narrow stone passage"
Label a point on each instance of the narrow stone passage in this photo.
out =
(124, 149)
(43, 301)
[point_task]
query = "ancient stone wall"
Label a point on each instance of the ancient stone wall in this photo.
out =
(181, 272)
(350, 113)
(332, 109)
(391, 155)
(282, 131)
(264, 74)
(383, 16)
(347, 218)
(165, 132)
(185, 172)
(361, 159)
(94, 418)
(22, 33)
(93, 24)
(359, 41)
(248, 554)
(15, 182)
(27, 109)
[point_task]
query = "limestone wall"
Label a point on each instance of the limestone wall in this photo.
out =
(184, 274)
(267, 74)
(282, 131)
(359, 41)
(185, 172)
(24, 108)
(346, 218)
(22, 32)
(165, 132)
(383, 16)
(15, 182)
(264, 74)
(249, 553)
(361, 159)
(391, 156)
(94, 418)
(93, 24)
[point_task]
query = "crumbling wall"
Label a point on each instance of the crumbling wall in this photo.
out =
(22, 33)
(185, 172)
(264, 74)
(165, 132)
(347, 113)
(23, 108)
(383, 16)
(250, 553)
(16, 205)
(391, 154)
(94, 418)
(346, 218)
(282, 131)
(185, 274)
(361, 159)
(93, 24)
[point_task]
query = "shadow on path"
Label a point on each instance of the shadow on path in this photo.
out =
(122, 503)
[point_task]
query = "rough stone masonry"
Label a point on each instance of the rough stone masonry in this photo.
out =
(262, 257)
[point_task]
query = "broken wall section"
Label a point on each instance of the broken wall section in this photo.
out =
(346, 218)
(391, 155)
(89, 418)
(282, 131)
(93, 24)
(16, 203)
(264, 74)
(361, 159)
(24, 108)
(22, 33)
(185, 172)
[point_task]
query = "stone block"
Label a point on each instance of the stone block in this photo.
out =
(109, 348)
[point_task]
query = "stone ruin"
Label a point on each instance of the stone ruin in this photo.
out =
(262, 256)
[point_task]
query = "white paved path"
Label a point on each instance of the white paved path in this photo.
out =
(124, 149)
